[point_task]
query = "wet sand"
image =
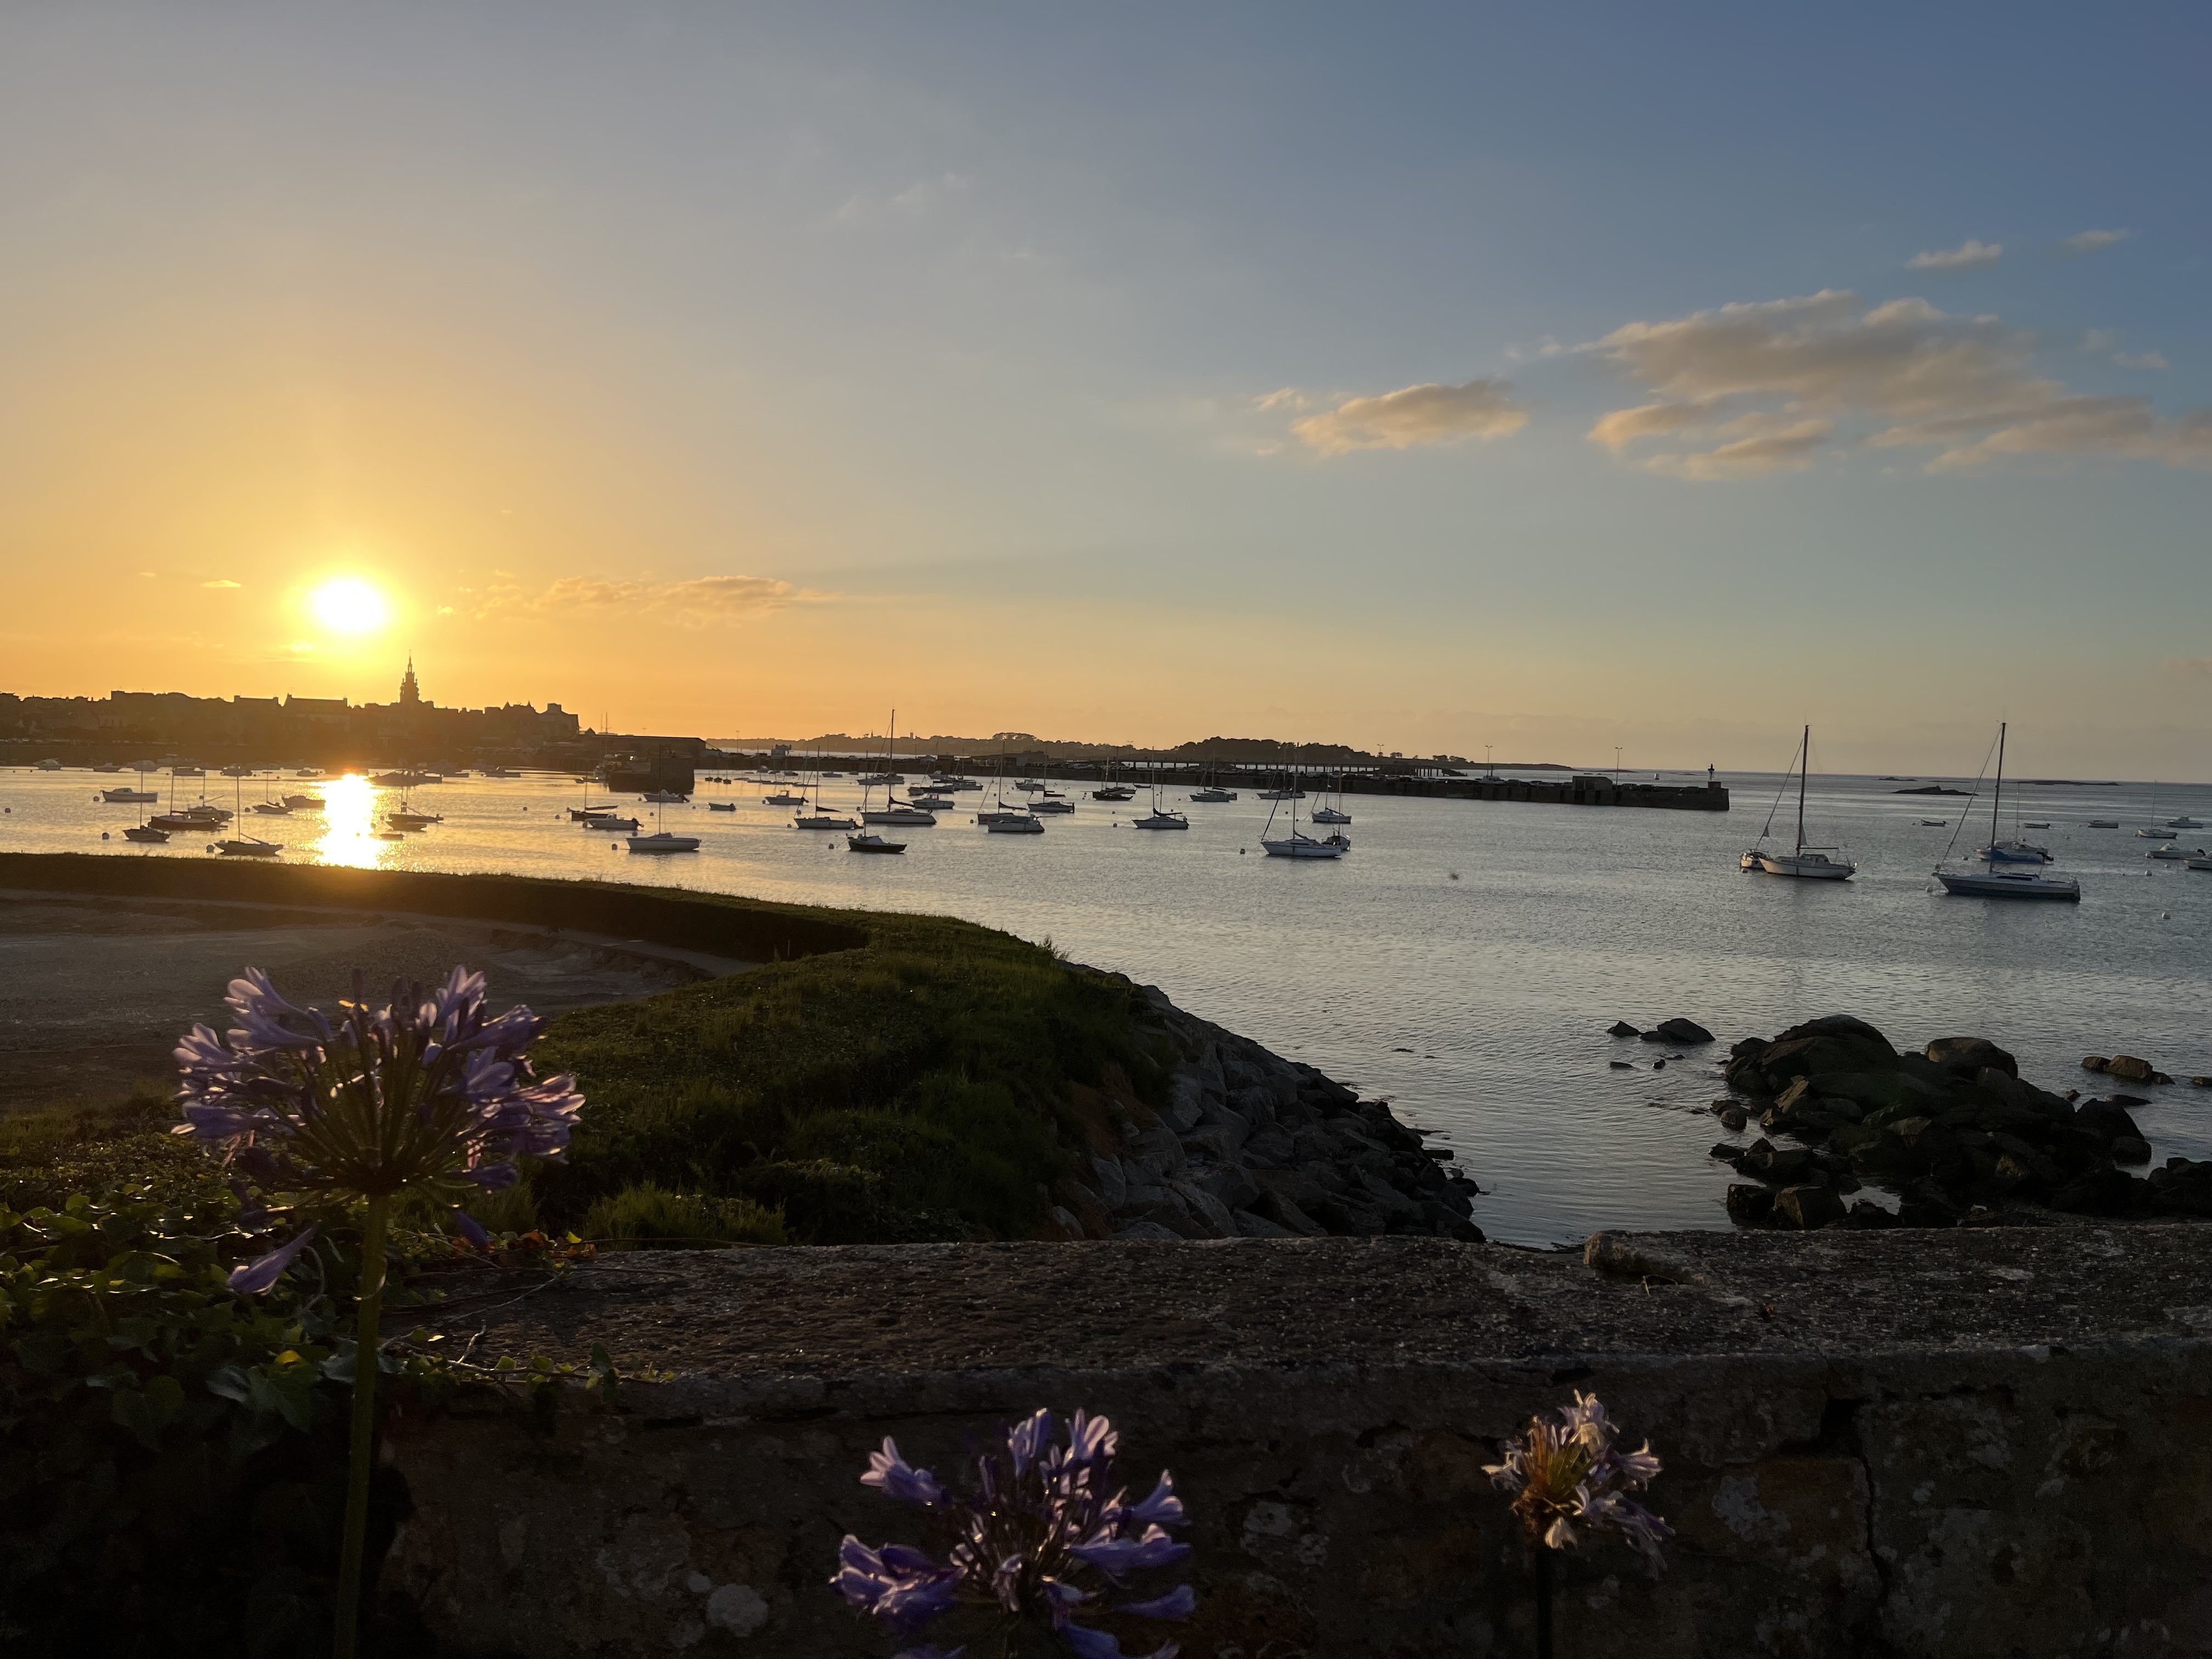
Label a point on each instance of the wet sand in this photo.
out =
(95, 992)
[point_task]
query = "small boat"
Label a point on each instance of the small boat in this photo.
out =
(873, 843)
(610, 820)
(404, 819)
(2176, 852)
(934, 803)
(129, 797)
(304, 803)
(2200, 861)
(247, 847)
(721, 806)
(272, 809)
(1028, 786)
(781, 798)
(1003, 814)
(661, 840)
(1935, 824)
(1281, 794)
(47, 766)
(2185, 821)
(1159, 819)
(901, 814)
(238, 771)
(107, 766)
(2035, 823)
(2156, 835)
(2013, 851)
(1804, 859)
(1299, 845)
(1013, 823)
(497, 772)
(2104, 824)
(663, 797)
(145, 832)
(1052, 804)
(2001, 883)
(1328, 815)
(823, 820)
(1117, 792)
(1213, 794)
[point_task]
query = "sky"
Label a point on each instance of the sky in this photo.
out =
(1553, 378)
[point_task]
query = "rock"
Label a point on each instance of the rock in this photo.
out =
(1678, 1030)
(2116, 1099)
(1147, 1230)
(1206, 1208)
(1735, 1118)
(1621, 1028)
(1807, 1208)
(1927, 1206)
(1728, 1153)
(2201, 1083)
(1965, 1056)
(2094, 1062)
(1750, 1206)
(1113, 1186)
(1283, 1211)
(2129, 1149)
(2101, 1191)
(2129, 1069)
(2107, 1122)
(1232, 1184)
(1868, 1214)
(1621, 1065)
(1249, 1225)
(1217, 1140)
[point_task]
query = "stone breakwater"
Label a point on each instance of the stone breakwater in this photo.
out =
(1953, 1129)
(1252, 1145)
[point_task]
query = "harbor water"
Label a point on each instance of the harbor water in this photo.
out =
(1466, 957)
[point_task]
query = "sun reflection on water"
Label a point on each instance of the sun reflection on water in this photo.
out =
(349, 824)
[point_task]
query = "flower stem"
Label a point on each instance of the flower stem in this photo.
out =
(360, 1465)
(1543, 1603)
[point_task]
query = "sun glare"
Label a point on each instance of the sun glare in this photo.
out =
(347, 605)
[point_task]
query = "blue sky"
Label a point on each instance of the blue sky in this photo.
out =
(1133, 372)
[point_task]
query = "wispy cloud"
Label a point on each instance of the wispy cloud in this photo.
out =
(694, 603)
(918, 199)
(2089, 241)
(1965, 387)
(221, 581)
(1964, 256)
(1287, 397)
(2140, 360)
(1414, 416)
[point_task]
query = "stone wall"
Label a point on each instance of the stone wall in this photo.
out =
(1964, 1443)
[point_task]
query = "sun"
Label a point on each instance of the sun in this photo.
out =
(347, 605)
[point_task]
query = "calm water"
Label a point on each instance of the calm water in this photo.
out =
(1465, 959)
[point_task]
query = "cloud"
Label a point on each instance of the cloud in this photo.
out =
(702, 599)
(219, 581)
(1964, 256)
(2089, 241)
(2140, 360)
(1965, 386)
(1481, 408)
(1788, 446)
(916, 200)
(1287, 397)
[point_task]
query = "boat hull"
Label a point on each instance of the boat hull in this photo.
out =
(2001, 885)
(1304, 847)
(1809, 868)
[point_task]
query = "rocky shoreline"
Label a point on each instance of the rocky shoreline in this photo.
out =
(1952, 1129)
(1252, 1145)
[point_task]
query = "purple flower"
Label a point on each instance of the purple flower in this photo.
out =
(429, 1091)
(1569, 1471)
(1022, 1541)
(259, 1276)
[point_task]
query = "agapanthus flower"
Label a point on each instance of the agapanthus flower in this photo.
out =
(1569, 1472)
(1043, 1543)
(429, 1092)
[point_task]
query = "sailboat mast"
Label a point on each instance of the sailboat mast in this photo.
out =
(1997, 793)
(1804, 765)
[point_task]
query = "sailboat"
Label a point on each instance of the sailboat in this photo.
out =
(244, 847)
(895, 810)
(998, 813)
(820, 817)
(141, 830)
(1297, 844)
(1996, 882)
(1809, 862)
(662, 840)
(1109, 790)
(1327, 814)
(1159, 818)
(1211, 794)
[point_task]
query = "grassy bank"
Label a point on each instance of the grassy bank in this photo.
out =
(880, 1077)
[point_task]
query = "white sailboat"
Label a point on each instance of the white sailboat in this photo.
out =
(1325, 813)
(1297, 844)
(1803, 860)
(662, 840)
(894, 811)
(1997, 882)
(1159, 818)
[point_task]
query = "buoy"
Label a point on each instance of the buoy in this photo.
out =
(103, 835)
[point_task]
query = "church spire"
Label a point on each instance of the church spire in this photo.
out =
(411, 695)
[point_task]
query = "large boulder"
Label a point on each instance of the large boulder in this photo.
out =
(1837, 1043)
(1621, 1028)
(2107, 1122)
(1807, 1208)
(1750, 1206)
(2129, 1069)
(1679, 1030)
(1965, 1056)
(2101, 1191)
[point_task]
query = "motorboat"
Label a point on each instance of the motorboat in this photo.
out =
(403, 819)
(1328, 815)
(497, 772)
(307, 772)
(403, 779)
(1013, 823)
(662, 840)
(107, 766)
(238, 771)
(47, 766)
(1997, 882)
(1159, 819)
(873, 843)
(2199, 861)
(1935, 824)
(2185, 821)
(1805, 859)
(1213, 794)
(1281, 794)
(899, 813)
(1054, 804)
(129, 797)
(721, 806)
(2176, 851)
(2158, 833)
(610, 820)
(304, 803)
(823, 820)
(781, 798)
(2035, 823)
(663, 797)
(1028, 786)
(1299, 845)
(2104, 824)
(934, 803)
(144, 832)
(174, 771)
(1117, 792)
(272, 809)
(247, 847)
